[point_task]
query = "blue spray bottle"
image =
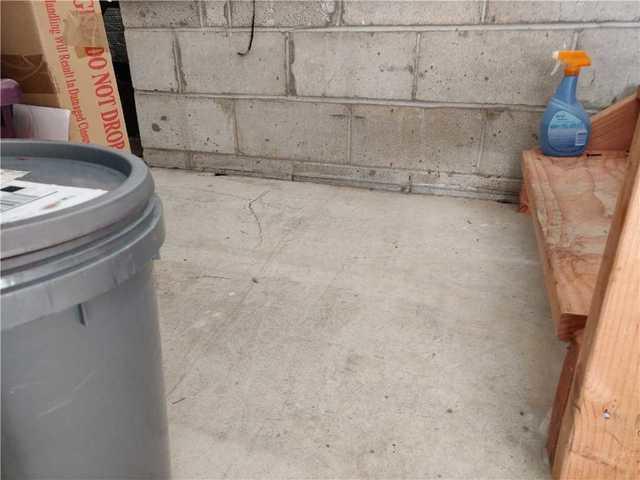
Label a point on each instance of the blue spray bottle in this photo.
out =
(565, 126)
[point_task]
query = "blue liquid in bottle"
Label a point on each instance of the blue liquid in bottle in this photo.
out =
(565, 128)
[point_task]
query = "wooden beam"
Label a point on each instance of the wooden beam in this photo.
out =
(600, 433)
(523, 204)
(613, 127)
(562, 393)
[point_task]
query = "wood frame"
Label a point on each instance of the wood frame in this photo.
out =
(600, 432)
(595, 425)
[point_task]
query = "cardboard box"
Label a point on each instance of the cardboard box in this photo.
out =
(57, 50)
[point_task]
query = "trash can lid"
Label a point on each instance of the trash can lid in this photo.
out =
(52, 193)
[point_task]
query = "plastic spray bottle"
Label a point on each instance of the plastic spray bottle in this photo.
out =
(565, 126)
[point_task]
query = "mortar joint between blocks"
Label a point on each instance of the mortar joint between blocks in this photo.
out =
(287, 67)
(227, 14)
(290, 58)
(483, 133)
(236, 130)
(416, 65)
(349, 132)
(515, 26)
(339, 12)
(362, 101)
(575, 39)
(177, 62)
(483, 12)
(202, 13)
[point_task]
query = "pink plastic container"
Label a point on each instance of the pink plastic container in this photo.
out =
(10, 94)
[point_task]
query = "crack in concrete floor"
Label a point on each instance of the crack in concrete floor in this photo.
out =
(342, 333)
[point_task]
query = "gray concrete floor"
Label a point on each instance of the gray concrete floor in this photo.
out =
(312, 331)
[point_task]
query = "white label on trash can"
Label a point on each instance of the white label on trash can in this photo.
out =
(7, 176)
(20, 199)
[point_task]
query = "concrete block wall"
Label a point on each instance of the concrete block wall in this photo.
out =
(421, 96)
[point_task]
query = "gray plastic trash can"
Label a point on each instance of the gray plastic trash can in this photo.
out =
(82, 386)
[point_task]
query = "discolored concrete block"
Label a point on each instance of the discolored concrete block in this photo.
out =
(293, 130)
(411, 12)
(151, 60)
(137, 13)
(500, 11)
(432, 139)
(186, 123)
(507, 134)
(492, 66)
(211, 64)
(353, 64)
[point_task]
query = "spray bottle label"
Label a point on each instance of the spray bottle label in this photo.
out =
(566, 131)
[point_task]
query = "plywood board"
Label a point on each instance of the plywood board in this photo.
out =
(572, 201)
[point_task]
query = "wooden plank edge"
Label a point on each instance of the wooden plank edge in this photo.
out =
(562, 393)
(528, 157)
(613, 127)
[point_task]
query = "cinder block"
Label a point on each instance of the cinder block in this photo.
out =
(292, 130)
(234, 164)
(615, 68)
(411, 12)
(137, 13)
(166, 158)
(350, 175)
(431, 139)
(186, 123)
(151, 60)
(215, 13)
(491, 66)
(500, 11)
(211, 64)
(353, 64)
(279, 13)
(507, 134)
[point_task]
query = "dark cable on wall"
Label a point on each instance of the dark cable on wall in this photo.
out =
(253, 29)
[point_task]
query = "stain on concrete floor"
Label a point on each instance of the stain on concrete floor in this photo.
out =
(312, 331)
